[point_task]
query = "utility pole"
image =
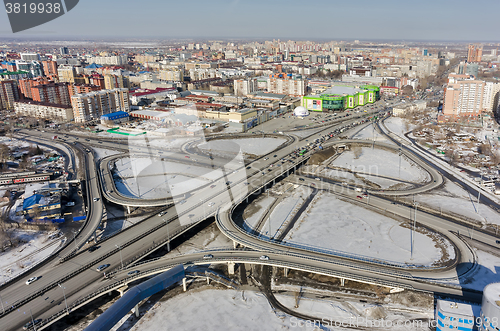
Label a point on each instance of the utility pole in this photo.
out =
(65, 302)
(168, 236)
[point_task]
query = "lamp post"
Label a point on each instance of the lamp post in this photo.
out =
(74, 240)
(415, 204)
(64, 295)
(120, 250)
(168, 236)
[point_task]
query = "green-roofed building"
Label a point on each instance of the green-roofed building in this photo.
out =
(339, 98)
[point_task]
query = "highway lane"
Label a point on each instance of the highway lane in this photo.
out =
(202, 209)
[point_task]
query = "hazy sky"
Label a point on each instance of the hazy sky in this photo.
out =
(317, 19)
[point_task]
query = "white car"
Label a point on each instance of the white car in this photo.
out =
(211, 204)
(96, 199)
(208, 256)
(264, 257)
(31, 280)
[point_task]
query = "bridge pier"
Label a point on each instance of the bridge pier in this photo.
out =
(208, 280)
(121, 290)
(128, 210)
(235, 244)
(285, 271)
(230, 268)
(184, 284)
(136, 310)
(342, 281)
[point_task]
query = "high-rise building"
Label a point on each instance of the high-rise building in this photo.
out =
(92, 106)
(28, 57)
(82, 89)
(115, 81)
(64, 50)
(26, 86)
(475, 53)
(490, 96)
(55, 93)
(49, 67)
(8, 94)
(244, 87)
(463, 96)
(66, 74)
(289, 84)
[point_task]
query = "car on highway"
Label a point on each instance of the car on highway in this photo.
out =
(208, 256)
(133, 272)
(359, 197)
(182, 202)
(102, 267)
(96, 199)
(317, 178)
(264, 258)
(275, 155)
(187, 157)
(162, 213)
(94, 248)
(30, 324)
(266, 158)
(31, 280)
(212, 186)
(498, 241)
(211, 204)
(301, 179)
(249, 167)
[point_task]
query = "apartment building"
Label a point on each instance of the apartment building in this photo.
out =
(92, 106)
(244, 87)
(8, 94)
(281, 83)
(54, 93)
(44, 110)
(463, 96)
(115, 81)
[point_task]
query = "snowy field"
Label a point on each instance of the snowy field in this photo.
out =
(251, 221)
(350, 310)
(160, 142)
(38, 247)
(255, 146)
(369, 133)
(102, 153)
(340, 175)
(381, 162)
(331, 223)
(454, 199)
(143, 167)
(397, 125)
(155, 187)
(145, 178)
(284, 212)
(215, 310)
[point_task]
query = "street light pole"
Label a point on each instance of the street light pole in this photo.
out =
(64, 295)
(74, 240)
(120, 250)
(32, 321)
(1, 300)
(168, 236)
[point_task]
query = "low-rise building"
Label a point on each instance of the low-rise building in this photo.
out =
(44, 110)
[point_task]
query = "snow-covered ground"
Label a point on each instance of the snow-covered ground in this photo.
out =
(340, 175)
(101, 152)
(397, 125)
(255, 146)
(215, 310)
(381, 162)
(332, 311)
(486, 273)
(370, 134)
(151, 178)
(454, 199)
(263, 204)
(38, 246)
(331, 223)
(284, 212)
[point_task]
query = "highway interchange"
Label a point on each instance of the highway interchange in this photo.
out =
(76, 270)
